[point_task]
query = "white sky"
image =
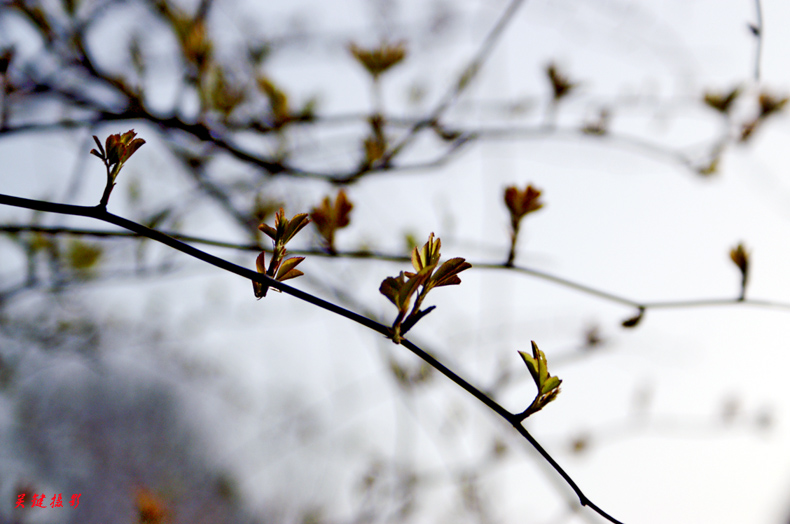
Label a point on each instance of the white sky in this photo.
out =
(615, 219)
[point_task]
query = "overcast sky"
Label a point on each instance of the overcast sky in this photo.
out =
(619, 217)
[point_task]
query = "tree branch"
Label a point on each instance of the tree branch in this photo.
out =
(102, 214)
(389, 257)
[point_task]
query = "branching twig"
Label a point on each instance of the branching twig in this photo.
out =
(469, 72)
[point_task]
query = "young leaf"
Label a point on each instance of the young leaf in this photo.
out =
(400, 290)
(379, 60)
(117, 150)
(220, 92)
(548, 385)
(260, 262)
(560, 84)
(287, 270)
(740, 257)
(428, 255)
(269, 230)
(770, 104)
(521, 203)
(82, 256)
(101, 148)
(636, 319)
(284, 230)
(374, 149)
(411, 284)
(295, 225)
(389, 288)
(329, 217)
(342, 210)
(258, 288)
(447, 274)
(532, 365)
(722, 102)
(120, 147)
(392, 288)
(375, 144)
(278, 101)
(280, 268)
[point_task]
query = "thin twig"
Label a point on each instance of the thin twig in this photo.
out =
(389, 257)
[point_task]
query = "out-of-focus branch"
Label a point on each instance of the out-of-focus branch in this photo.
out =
(467, 75)
(391, 257)
(757, 31)
(464, 138)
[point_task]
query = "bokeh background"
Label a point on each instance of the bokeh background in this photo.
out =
(160, 389)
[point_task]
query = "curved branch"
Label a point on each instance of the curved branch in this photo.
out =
(100, 213)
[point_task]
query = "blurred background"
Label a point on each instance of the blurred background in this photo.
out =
(160, 389)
